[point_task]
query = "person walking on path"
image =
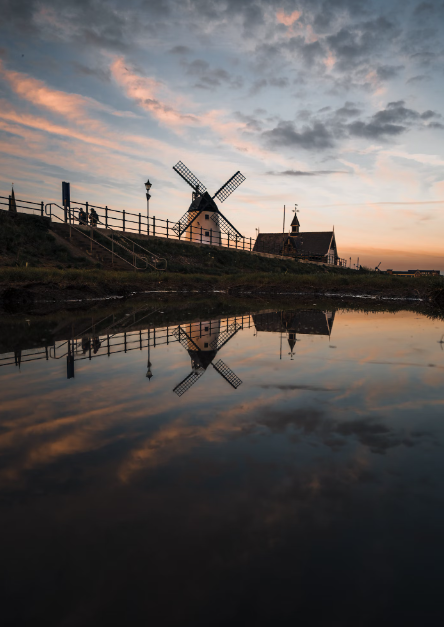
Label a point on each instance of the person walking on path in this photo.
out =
(82, 216)
(93, 217)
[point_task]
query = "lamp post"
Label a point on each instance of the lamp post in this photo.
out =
(148, 196)
(149, 374)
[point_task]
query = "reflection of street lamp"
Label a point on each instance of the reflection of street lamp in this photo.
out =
(149, 374)
(148, 196)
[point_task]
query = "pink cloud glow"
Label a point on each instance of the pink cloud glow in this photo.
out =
(288, 20)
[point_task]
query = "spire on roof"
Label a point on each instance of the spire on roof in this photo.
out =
(295, 225)
(12, 203)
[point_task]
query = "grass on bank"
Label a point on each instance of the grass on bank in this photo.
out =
(26, 240)
(111, 280)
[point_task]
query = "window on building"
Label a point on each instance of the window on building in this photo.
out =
(206, 345)
(206, 328)
(207, 233)
(207, 216)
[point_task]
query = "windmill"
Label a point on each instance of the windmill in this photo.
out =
(203, 222)
(203, 350)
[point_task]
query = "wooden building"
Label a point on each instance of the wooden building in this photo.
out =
(318, 245)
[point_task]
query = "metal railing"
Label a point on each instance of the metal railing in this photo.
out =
(122, 221)
(135, 256)
(24, 205)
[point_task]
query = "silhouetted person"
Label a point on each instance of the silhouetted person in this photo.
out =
(86, 344)
(93, 218)
(82, 217)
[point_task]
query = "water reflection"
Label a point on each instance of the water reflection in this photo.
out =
(302, 482)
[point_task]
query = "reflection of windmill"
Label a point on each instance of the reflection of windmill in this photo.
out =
(203, 222)
(203, 349)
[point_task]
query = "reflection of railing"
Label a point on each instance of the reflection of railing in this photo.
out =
(121, 342)
(24, 356)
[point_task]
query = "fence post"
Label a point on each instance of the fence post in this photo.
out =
(41, 208)
(167, 236)
(201, 234)
(112, 248)
(123, 217)
(140, 225)
(86, 206)
(154, 226)
(250, 244)
(106, 217)
(211, 237)
(236, 242)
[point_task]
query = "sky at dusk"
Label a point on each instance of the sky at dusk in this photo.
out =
(336, 105)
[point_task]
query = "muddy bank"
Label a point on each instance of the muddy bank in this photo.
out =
(46, 297)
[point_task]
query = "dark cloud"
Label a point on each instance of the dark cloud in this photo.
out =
(180, 50)
(376, 435)
(252, 122)
(374, 130)
(306, 173)
(386, 72)
(98, 73)
(311, 137)
(424, 58)
(387, 123)
(429, 114)
(424, 7)
(349, 110)
(210, 78)
(419, 79)
(310, 388)
(351, 45)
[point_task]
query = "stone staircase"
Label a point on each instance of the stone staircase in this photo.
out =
(94, 252)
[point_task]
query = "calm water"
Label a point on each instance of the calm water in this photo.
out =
(279, 468)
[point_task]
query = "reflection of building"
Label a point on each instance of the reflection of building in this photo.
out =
(203, 340)
(309, 322)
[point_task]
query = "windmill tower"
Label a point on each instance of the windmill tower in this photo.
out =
(203, 222)
(203, 340)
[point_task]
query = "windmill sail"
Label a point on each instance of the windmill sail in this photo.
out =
(229, 187)
(189, 177)
(227, 374)
(188, 382)
(185, 222)
(184, 338)
(225, 336)
(225, 226)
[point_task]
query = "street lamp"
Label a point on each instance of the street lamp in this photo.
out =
(149, 374)
(148, 196)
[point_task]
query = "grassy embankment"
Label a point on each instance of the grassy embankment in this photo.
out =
(25, 241)
(31, 259)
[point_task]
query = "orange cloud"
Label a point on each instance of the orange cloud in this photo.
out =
(144, 91)
(288, 20)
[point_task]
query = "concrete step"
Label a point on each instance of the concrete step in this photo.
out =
(97, 253)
